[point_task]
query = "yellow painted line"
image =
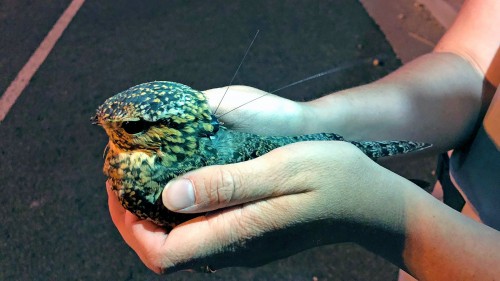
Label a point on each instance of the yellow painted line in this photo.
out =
(37, 58)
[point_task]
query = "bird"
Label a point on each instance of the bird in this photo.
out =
(160, 130)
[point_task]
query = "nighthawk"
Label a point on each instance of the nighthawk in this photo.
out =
(160, 130)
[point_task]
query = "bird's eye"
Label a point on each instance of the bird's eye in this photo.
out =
(135, 127)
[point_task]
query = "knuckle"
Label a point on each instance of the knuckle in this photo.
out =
(219, 187)
(252, 220)
(225, 186)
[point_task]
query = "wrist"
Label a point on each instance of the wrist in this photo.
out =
(292, 118)
(326, 115)
(379, 223)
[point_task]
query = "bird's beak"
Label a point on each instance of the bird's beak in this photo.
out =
(95, 120)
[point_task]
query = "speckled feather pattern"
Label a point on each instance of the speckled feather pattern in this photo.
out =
(161, 130)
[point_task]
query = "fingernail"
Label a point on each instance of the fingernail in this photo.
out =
(179, 195)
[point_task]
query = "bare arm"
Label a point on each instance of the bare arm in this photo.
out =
(434, 99)
(437, 98)
(442, 244)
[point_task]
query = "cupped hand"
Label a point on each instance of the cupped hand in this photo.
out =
(252, 110)
(293, 198)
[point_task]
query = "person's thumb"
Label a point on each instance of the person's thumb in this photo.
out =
(216, 187)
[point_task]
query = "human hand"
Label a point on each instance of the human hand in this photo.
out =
(294, 198)
(262, 113)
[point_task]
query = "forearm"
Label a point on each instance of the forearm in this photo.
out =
(442, 244)
(425, 237)
(436, 99)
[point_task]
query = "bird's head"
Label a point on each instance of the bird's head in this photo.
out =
(157, 116)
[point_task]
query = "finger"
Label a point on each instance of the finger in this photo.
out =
(147, 234)
(217, 187)
(231, 96)
(141, 235)
(214, 240)
(257, 111)
(225, 99)
(116, 210)
(121, 218)
(145, 238)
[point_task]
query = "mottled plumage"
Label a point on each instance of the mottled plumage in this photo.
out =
(160, 130)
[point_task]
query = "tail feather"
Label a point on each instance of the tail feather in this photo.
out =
(378, 149)
(373, 149)
(318, 137)
(255, 146)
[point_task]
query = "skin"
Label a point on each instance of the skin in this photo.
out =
(319, 193)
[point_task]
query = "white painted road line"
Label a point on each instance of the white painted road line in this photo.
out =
(29, 69)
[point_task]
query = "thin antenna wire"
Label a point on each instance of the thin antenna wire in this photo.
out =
(332, 70)
(236, 72)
